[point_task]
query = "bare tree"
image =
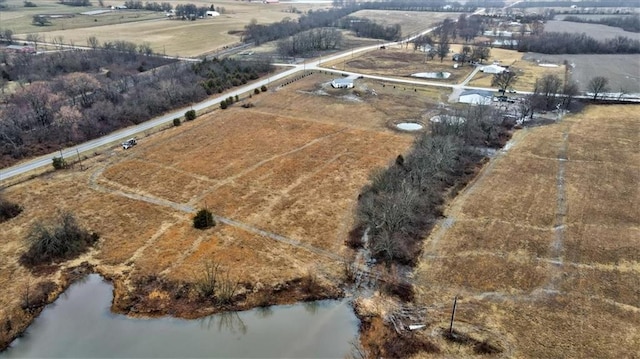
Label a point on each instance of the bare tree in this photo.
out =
(34, 38)
(598, 85)
(93, 42)
(443, 47)
(547, 88)
(504, 80)
(569, 91)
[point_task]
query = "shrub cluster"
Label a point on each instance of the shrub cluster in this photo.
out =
(190, 115)
(8, 210)
(63, 240)
(203, 219)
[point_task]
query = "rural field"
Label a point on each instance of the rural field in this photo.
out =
(283, 183)
(528, 70)
(597, 31)
(399, 61)
(173, 37)
(621, 71)
(412, 22)
(542, 247)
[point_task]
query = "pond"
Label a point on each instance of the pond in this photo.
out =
(409, 126)
(80, 324)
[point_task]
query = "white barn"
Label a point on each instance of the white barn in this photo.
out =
(493, 69)
(342, 83)
(476, 97)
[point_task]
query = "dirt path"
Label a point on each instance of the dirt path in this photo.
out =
(557, 246)
(93, 183)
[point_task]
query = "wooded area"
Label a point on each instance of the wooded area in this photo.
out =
(568, 43)
(626, 23)
(69, 97)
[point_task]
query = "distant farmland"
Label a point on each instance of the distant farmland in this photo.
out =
(597, 31)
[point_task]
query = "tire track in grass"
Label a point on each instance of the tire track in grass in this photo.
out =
(190, 209)
(557, 246)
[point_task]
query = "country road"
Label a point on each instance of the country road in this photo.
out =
(121, 135)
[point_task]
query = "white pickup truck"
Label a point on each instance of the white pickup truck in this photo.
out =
(129, 143)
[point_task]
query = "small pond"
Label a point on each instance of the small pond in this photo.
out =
(432, 75)
(80, 325)
(409, 126)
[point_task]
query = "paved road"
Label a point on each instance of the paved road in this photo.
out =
(123, 134)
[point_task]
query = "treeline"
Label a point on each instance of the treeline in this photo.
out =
(151, 6)
(367, 28)
(73, 96)
(403, 202)
(571, 43)
(259, 34)
(421, 5)
(220, 75)
(626, 23)
(75, 2)
(310, 41)
(583, 3)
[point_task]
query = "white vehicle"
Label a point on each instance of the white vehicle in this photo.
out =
(129, 143)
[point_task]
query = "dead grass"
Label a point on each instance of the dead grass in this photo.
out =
(411, 21)
(172, 37)
(538, 294)
(527, 71)
(399, 61)
(296, 175)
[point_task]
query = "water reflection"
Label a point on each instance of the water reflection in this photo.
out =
(81, 325)
(227, 321)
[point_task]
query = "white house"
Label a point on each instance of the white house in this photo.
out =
(493, 69)
(476, 97)
(342, 83)
(212, 13)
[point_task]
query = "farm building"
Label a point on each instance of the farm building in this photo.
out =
(493, 69)
(476, 97)
(342, 83)
(212, 13)
(23, 49)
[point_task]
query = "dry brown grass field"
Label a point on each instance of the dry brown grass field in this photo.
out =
(399, 61)
(287, 183)
(527, 71)
(542, 247)
(173, 37)
(412, 22)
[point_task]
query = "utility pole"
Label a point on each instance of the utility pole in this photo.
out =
(453, 314)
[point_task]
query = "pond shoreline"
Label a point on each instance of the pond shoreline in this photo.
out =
(154, 297)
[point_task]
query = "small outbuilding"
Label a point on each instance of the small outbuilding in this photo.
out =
(476, 97)
(342, 83)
